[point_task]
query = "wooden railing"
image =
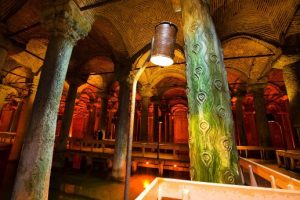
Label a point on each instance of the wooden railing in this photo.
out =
(243, 150)
(291, 158)
(139, 149)
(7, 137)
(277, 179)
(163, 188)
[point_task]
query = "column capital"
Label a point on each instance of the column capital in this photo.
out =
(63, 17)
(146, 90)
(257, 89)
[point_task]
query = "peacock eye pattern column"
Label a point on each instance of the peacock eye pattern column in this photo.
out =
(213, 155)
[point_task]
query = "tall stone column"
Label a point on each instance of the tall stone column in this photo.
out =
(66, 26)
(66, 124)
(122, 126)
(24, 121)
(213, 154)
(4, 91)
(3, 55)
(155, 119)
(146, 93)
(240, 117)
(291, 75)
(103, 114)
(260, 116)
(16, 116)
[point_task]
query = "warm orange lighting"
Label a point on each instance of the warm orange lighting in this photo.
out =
(175, 165)
(145, 183)
(147, 163)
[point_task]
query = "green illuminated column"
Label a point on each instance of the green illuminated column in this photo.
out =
(213, 155)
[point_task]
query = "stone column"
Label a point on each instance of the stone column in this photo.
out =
(155, 119)
(24, 121)
(3, 55)
(103, 114)
(4, 91)
(240, 117)
(146, 93)
(66, 124)
(16, 116)
(291, 75)
(213, 154)
(66, 26)
(122, 125)
(260, 115)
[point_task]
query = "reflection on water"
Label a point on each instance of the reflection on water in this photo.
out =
(87, 184)
(98, 184)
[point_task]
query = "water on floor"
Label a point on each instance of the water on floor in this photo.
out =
(97, 184)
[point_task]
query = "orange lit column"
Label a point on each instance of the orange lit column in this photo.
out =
(16, 117)
(122, 126)
(103, 115)
(66, 26)
(24, 121)
(146, 93)
(66, 124)
(260, 116)
(3, 55)
(155, 119)
(291, 75)
(240, 117)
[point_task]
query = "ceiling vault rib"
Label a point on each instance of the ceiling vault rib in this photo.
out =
(24, 29)
(245, 57)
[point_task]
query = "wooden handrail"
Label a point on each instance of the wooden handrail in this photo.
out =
(275, 178)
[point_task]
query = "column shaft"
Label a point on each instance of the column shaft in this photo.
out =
(32, 181)
(119, 164)
(213, 154)
(3, 56)
(240, 121)
(144, 126)
(23, 123)
(67, 118)
(155, 122)
(291, 75)
(261, 118)
(103, 116)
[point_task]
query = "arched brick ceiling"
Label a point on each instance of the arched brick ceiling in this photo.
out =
(168, 83)
(98, 64)
(251, 57)
(267, 19)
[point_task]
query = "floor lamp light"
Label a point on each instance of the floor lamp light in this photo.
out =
(162, 53)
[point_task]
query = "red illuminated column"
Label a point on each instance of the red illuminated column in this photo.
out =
(240, 117)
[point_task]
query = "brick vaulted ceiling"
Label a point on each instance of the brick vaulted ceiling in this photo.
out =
(123, 28)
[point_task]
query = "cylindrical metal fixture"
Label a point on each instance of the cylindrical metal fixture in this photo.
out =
(163, 44)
